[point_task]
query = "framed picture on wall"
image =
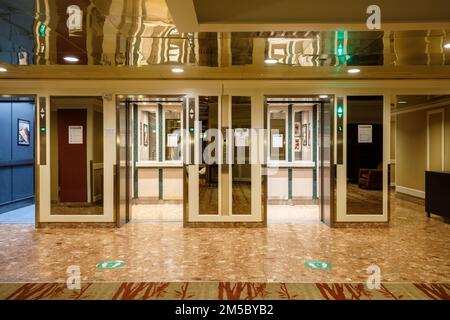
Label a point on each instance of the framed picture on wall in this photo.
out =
(297, 129)
(297, 144)
(145, 134)
(23, 132)
(305, 134)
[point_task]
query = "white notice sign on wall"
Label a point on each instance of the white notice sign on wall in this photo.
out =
(364, 133)
(241, 137)
(75, 134)
(172, 140)
(277, 140)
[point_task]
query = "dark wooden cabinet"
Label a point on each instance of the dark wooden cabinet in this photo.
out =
(437, 193)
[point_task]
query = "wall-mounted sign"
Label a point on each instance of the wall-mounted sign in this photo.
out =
(172, 140)
(318, 265)
(364, 133)
(75, 134)
(277, 140)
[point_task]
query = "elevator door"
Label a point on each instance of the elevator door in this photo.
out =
(223, 173)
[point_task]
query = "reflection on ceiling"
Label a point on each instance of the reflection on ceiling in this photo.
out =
(141, 32)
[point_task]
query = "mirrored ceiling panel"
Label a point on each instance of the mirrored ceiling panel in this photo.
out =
(142, 33)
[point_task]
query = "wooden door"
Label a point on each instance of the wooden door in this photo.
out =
(72, 155)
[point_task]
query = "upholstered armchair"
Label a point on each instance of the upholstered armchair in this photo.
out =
(371, 178)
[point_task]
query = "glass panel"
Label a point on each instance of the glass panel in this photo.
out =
(241, 168)
(278, 135)
(172, 139)
(76, 156)
(148, 130)
(208, 173)
(365, 155)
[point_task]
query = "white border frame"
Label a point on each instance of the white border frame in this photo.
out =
(341, 170)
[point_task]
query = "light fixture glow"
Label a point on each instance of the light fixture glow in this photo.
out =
(447, 45)
(71, 59)
(3, 69)
(177, 70)
(323, 96)
(402, 102)
(270, 61)
(353, 71)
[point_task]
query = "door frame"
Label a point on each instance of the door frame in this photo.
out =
(319, 147)
(36, 164)
(127, 102)
(191, 215)
(341, 215)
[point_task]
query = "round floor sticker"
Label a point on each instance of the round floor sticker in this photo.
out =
(110, 264)
(318, 265)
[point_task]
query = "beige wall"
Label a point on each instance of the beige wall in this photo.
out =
(411, 140)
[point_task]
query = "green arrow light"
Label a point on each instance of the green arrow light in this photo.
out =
(340, 111)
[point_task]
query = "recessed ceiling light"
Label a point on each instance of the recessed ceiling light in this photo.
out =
(323, 96)
(71, 59)
(3, 69)
(270, 61)
(177, 70)
(353, 71)
(447, 45)
(402, 102)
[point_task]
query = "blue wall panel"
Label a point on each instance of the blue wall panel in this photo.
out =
(5, 131)
(23, 182)
(5, 185)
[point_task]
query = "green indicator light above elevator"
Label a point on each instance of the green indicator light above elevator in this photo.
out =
(340, 111)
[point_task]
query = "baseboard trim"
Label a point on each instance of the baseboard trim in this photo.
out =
(411, 192)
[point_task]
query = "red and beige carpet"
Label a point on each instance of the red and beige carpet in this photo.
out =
(224, 291)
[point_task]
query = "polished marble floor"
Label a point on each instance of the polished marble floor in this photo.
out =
(412, 249)
(296, 214)
(155, 213)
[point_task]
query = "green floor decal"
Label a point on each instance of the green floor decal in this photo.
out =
(318, 265)
(110, 264)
